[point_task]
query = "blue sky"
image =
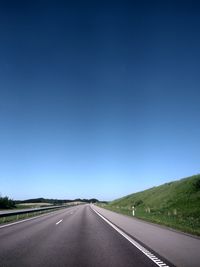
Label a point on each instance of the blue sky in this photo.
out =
(97, 99)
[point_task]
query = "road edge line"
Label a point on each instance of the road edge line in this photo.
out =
(146, 252)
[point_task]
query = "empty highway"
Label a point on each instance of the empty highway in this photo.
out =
(72, 237)
(76, 236)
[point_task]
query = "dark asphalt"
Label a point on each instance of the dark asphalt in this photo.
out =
(82, 239)
(175, 247)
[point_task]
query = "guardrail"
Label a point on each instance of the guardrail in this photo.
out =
(4, 215)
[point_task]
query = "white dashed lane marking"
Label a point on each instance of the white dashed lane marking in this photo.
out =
(58, 222)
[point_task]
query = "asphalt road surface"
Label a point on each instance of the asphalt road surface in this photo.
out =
(74, 236)
(178, 248)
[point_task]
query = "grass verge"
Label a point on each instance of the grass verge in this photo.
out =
(175, 204)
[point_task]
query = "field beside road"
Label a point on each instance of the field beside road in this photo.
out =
(175, 204)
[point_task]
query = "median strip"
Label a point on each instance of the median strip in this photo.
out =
(34, 216)
(21, 221)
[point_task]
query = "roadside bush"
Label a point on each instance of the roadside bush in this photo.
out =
(196, 184)
(138, 202)
(6, 203)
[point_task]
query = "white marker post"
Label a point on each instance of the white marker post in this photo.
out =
(133, 210)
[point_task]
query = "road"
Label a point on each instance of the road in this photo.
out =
(181, 249)
(75, 236)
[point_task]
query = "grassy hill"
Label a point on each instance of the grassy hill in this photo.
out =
(175, 204)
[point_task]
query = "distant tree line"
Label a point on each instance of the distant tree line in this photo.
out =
(56, 201)
(6, 203)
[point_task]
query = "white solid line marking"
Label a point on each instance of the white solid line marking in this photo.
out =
(58, 222)
(133, 242)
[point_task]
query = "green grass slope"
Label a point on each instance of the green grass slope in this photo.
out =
(175, 204)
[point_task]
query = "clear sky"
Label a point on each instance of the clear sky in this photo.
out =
(97, 99)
